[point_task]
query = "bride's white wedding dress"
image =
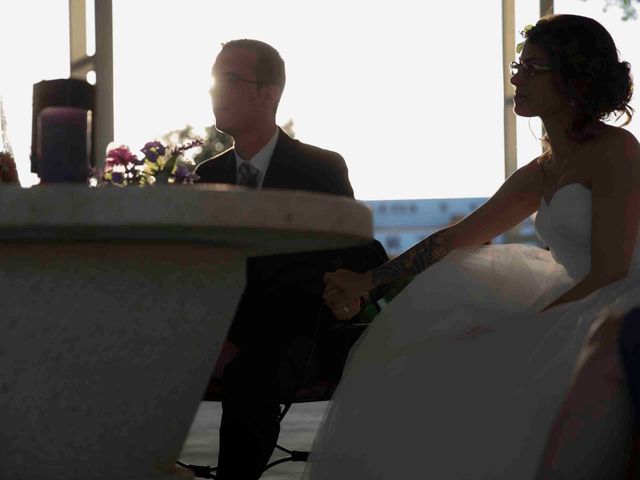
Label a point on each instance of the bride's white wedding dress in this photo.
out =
(460, 377)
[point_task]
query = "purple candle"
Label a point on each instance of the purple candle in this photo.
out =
(64, 144)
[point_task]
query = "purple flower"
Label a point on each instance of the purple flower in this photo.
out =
(120, 156)
(181, 172)
(153, 150)
(117, 178)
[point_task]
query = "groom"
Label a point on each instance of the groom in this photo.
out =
(282, 305)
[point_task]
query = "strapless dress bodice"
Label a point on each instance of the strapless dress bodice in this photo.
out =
(564, 225)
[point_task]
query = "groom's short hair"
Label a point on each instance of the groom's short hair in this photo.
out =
(269, 63)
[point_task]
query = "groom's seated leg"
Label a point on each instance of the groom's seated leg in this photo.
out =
(268, 368)
(250, 422)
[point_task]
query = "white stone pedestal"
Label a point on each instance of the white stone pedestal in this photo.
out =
(114, 305)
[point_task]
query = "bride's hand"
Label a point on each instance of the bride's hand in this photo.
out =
(343, 286)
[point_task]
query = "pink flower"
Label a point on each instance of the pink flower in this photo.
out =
(121, 156)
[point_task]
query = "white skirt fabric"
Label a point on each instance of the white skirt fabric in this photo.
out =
(460, 376)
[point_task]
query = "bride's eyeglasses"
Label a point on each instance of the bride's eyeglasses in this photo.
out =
(528, 69)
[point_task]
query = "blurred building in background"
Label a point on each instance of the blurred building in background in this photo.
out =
(399, 224)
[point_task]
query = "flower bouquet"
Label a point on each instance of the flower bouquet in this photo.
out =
(160, 165)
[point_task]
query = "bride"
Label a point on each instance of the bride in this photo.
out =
(462, 373)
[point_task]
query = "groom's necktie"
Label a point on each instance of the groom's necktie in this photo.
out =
(248, 175)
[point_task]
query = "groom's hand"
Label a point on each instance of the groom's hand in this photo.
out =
(343, 286)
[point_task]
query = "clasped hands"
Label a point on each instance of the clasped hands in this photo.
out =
(343, 291)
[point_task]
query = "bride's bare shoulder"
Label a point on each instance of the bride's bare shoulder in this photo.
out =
(615, 157)
(618, 143)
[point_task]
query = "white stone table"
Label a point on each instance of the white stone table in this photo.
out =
(114, 304)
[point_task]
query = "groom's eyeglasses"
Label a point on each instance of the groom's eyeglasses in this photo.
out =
(231, 80)
(528, 69)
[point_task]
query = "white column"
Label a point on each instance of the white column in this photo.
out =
(101, 63)
(508, 50)
(104, 76)
(81, 64)
(546, 8)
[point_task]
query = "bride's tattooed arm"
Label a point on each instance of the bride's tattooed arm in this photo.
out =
(422, 255)
(343, 286)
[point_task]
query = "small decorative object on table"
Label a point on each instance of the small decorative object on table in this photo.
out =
(160, 165)
(8, 171)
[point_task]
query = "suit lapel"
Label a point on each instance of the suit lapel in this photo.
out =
(279, 172)
(228, 168)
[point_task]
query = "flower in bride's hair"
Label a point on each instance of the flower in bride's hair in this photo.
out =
(524, 31)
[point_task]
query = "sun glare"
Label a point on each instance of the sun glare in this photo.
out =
(387, 94)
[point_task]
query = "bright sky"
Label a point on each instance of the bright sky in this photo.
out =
(410, 96)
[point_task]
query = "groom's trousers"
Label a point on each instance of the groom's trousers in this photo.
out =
(267, 371)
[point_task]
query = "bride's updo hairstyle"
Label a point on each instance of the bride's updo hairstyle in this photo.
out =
(594, 81)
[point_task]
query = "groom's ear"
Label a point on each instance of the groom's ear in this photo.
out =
(272, 94)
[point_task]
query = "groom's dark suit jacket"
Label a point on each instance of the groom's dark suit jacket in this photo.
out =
(293, 166)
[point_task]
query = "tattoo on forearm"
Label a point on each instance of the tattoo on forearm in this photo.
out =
(413, 261)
